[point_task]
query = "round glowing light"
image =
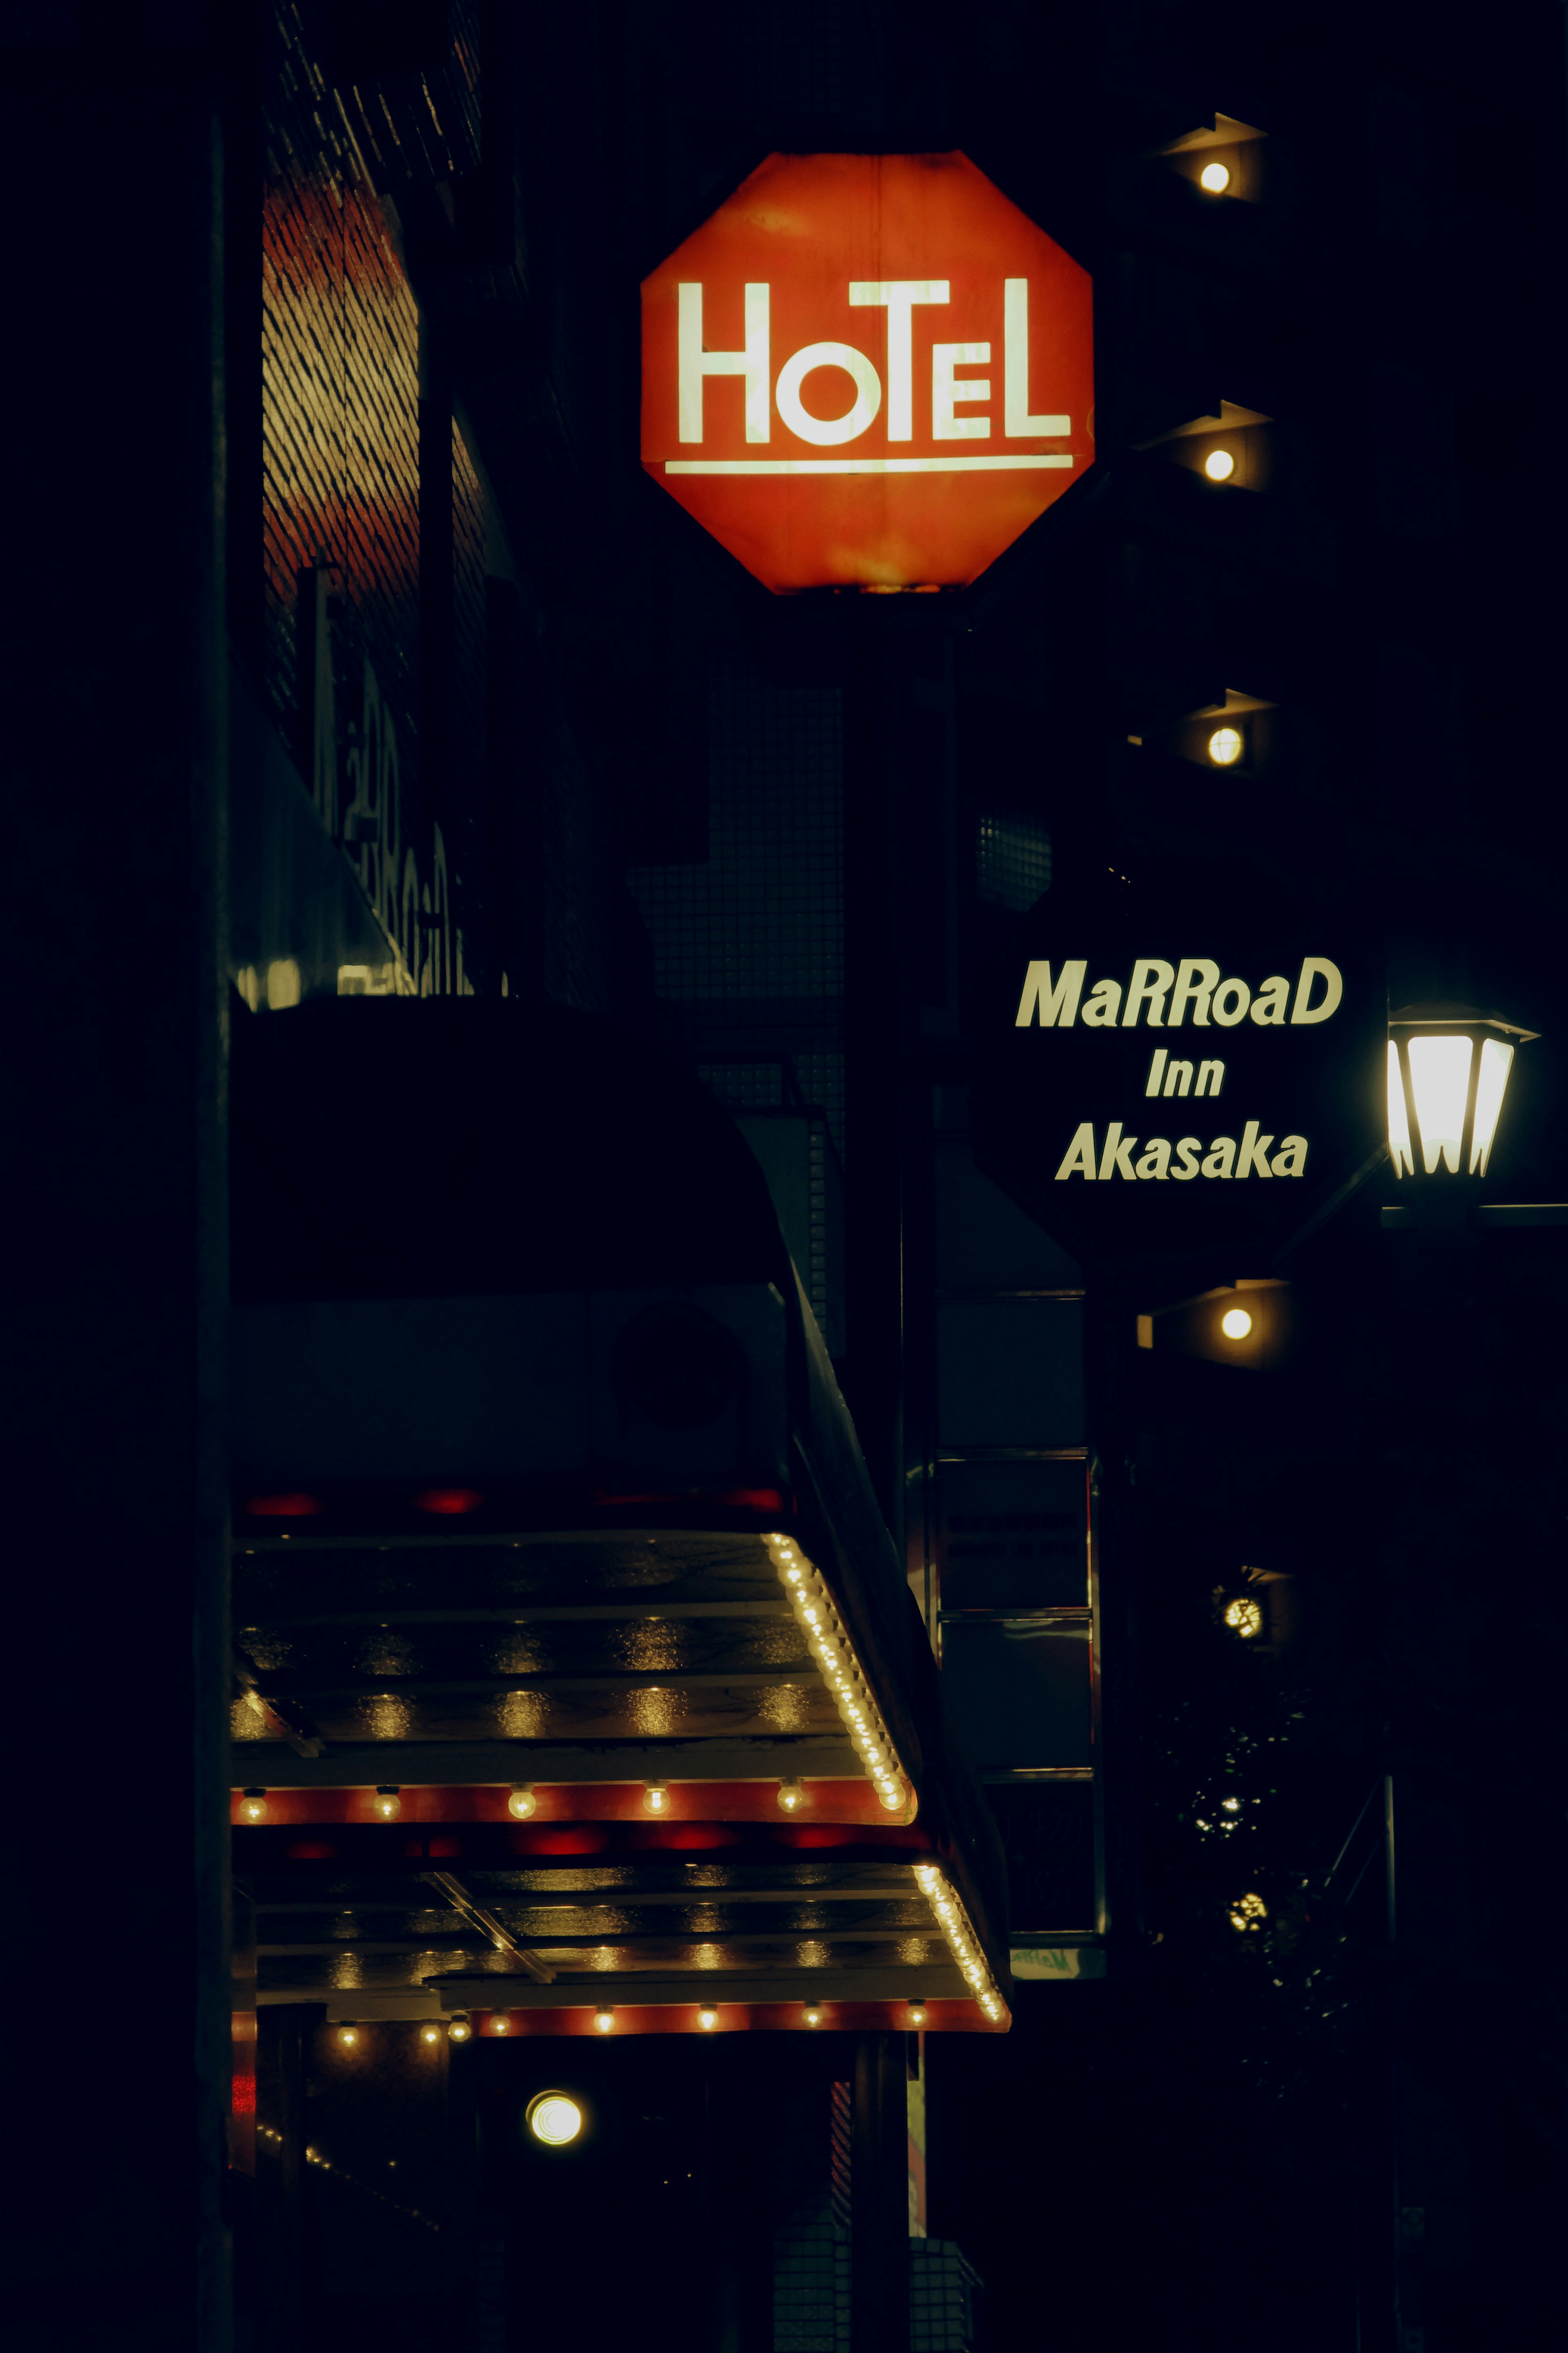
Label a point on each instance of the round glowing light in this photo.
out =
(429, 2034)
(605, 2019)
(656, 1799)
(501, 2023)
(522, 1801)
(1236, 1323)
(813, 2014)
(348, 2037)
(1247, 1914)
(917, 2013)
(1246, 1619)
(460, 2030)
(1225, 747)
(1215, 178)
(253, 1806)
(1219, 465)
(892, 1798)
(387, 1802)
(708, 2017)
(1230, 1805)
(792, 1797)
(553, 2119)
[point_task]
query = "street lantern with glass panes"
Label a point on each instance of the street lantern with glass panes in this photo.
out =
(1448, 1073)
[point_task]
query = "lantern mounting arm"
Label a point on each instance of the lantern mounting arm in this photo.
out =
(1398, 1217)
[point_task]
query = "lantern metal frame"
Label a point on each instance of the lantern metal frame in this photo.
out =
(1461, 1159)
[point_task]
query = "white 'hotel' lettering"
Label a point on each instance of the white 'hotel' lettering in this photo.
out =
(899, 297)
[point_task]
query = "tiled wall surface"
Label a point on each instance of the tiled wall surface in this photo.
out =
(749, 948)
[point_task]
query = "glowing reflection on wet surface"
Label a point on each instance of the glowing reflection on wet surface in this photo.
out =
(655, 1712)
(786, 1706)
(386, 1717)
(523, 1714)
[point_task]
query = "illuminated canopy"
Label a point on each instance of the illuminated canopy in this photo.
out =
(563, 1607)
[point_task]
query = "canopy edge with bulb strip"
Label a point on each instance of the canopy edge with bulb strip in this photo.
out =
(511, 1488)
(586, 1644)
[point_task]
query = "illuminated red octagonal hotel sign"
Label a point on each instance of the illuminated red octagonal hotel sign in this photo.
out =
(867, 371)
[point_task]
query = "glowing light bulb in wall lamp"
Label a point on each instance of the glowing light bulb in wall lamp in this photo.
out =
(792, 1797)
(523, 1801)
(253, 1806)
(387, 1802)
(554, 2118)
(1449, 1068)
(656, 1798)
(1215, 178)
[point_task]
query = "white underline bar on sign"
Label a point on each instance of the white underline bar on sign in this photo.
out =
(862, 465)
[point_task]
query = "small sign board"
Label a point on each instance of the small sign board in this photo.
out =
(1191, 1066)
(868, 371)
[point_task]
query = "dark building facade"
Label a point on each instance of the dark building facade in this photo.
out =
(417, 1697)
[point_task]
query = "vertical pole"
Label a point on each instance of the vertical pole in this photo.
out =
(1108, 1333)
(879, 2199)
(240, 28)
(242, 2140)
(115, 1181)
(926, 867)
(873, 1042)
(739, 2162)
(515, 927)
(899, 1006)
(281, 2033)
(473, 2245)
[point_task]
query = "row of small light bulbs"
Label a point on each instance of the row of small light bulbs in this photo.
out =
(522, 1802)
(350, 2035)
(461, 2029)
(830, 1646)
(366, 2189)
(388, 1803)
(954, 1924)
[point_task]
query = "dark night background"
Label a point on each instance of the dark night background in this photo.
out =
(1303, 2136)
